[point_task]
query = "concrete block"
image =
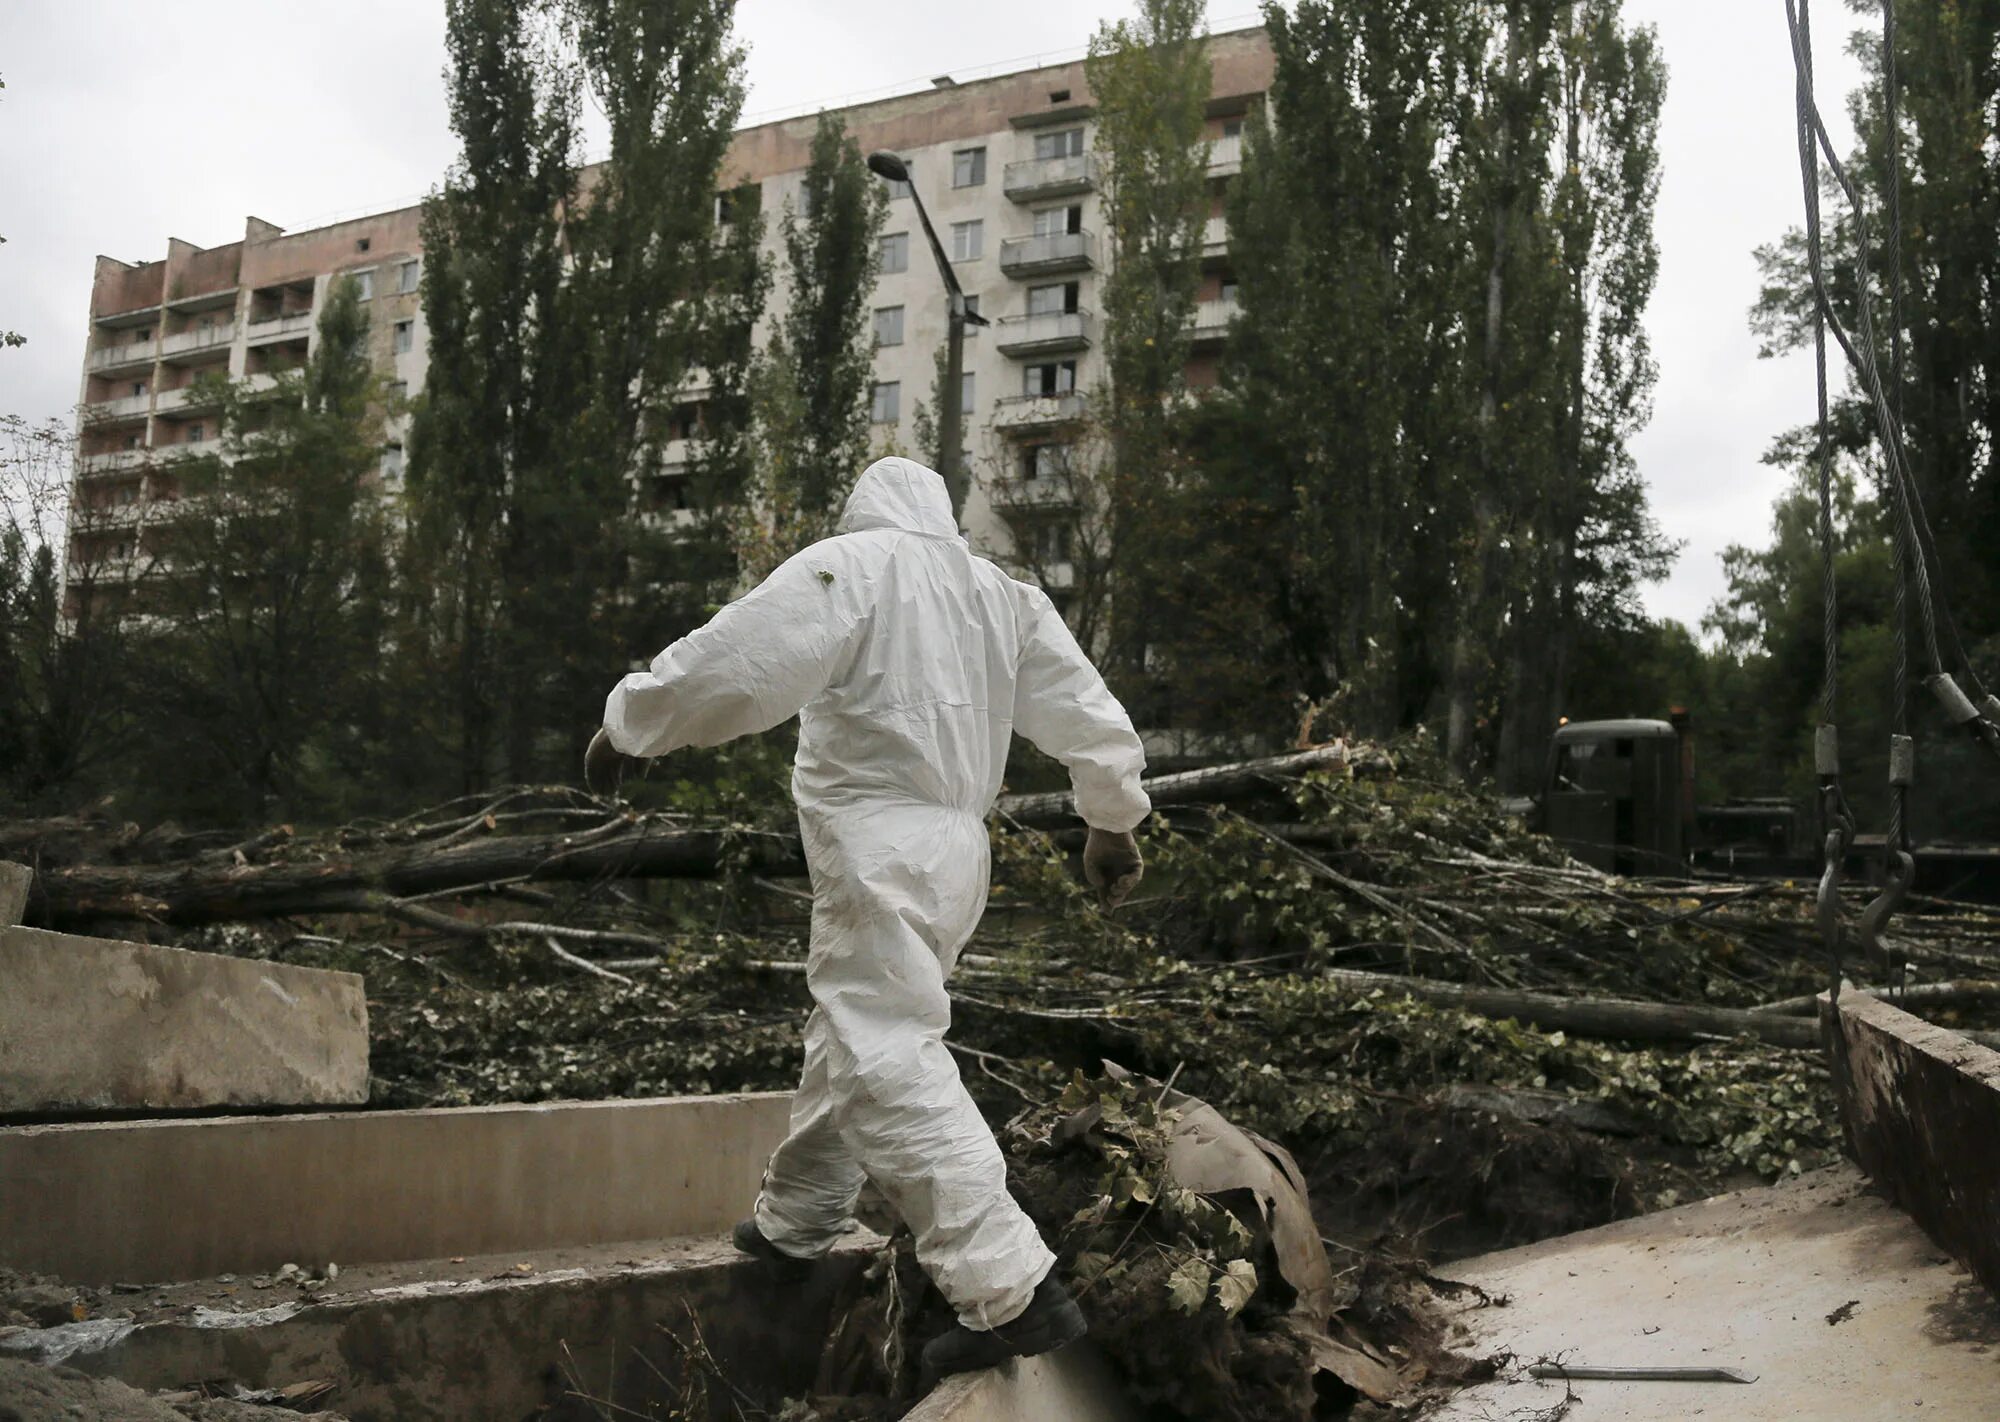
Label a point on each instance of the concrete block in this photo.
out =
(110, 1201)
(14, 881)
(90, 1024)
(1920, 1106)
(575, 1336)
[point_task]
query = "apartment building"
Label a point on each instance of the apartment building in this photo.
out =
(1004, 165)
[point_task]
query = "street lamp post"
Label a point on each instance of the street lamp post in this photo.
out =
(951, 418)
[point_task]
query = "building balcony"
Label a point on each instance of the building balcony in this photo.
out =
(134, 355)
(1210, 323)
(115, 461)
(278, 328)
(1042, 494)
(104, 517)
(124, 407)
(186, 400)
(1225, 156)
(1033, 179)
(669, 520)
(1019, 414)
(270, 382)
(1043, 333)
(1057, 252)
(1215, 238)
(209, 338)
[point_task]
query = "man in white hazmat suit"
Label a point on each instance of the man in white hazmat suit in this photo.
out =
(910, 662)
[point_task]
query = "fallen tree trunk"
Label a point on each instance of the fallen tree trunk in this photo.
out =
(1617, 1018)
(196, 894)
(209, 890)
(1594, 1016)
(1217, 784)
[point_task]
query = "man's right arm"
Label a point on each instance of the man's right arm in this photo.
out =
(753, 666)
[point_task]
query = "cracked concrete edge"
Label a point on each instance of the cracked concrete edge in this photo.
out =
(15, 880)
(1920, 1107)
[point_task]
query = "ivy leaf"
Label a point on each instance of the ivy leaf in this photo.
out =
(1236, 1286)
(1187, 1286)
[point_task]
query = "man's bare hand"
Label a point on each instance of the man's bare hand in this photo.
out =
(604, 766)
(1112, 866)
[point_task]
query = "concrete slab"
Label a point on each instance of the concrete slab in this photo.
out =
(1075, 1384)
(1920, 1106)
(91, 1024)
(1831, 1295)
(560, 1335)
(146, 1201)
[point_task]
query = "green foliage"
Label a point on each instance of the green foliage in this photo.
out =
(814, 381)
(273, 583)
(1770, 620)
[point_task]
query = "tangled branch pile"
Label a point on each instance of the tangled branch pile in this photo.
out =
(1467, 1039)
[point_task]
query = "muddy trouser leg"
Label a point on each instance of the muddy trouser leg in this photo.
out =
(897, 894)
(811, 1184)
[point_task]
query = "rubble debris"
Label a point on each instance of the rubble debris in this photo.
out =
(33, 1393)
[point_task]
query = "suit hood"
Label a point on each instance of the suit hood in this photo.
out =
(900, 494)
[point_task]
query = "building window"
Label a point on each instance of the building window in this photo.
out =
(1058, 296)
(1052, 378)
(887, 408)
(888, 325)
(138, 387)
(971, 307)
(898, 187)
(135, 441)
(966, 403)
(407, 276)
(739, 203)
(392, 463)
(968, 240)
(1229, 290)
(364, 285)
(968, 167)
(1052, 543)
(892, 253)
(196, 433)
(1055, 221)
(405, 336)
(145, 335)
(399, 391)
(683, 421)
(1232, 128)
(362, 244)
(1044, 461)
(127, 494)
(1066, 143)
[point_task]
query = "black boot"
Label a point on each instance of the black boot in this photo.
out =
(783, 1267)
(1050, 1320)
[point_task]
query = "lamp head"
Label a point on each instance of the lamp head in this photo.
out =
(889, 166)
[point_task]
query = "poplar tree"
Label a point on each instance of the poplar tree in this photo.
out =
(1149, 77)
(498, 392)
(816, 374)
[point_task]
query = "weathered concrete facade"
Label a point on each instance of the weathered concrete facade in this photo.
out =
(90, 1024)
(1004, 164)
(1920, 1106)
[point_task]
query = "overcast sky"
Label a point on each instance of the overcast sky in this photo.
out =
(125, 122)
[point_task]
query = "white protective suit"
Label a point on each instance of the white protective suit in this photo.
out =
(910, 663)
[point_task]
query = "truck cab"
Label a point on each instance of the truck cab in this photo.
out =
(1619, 795)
